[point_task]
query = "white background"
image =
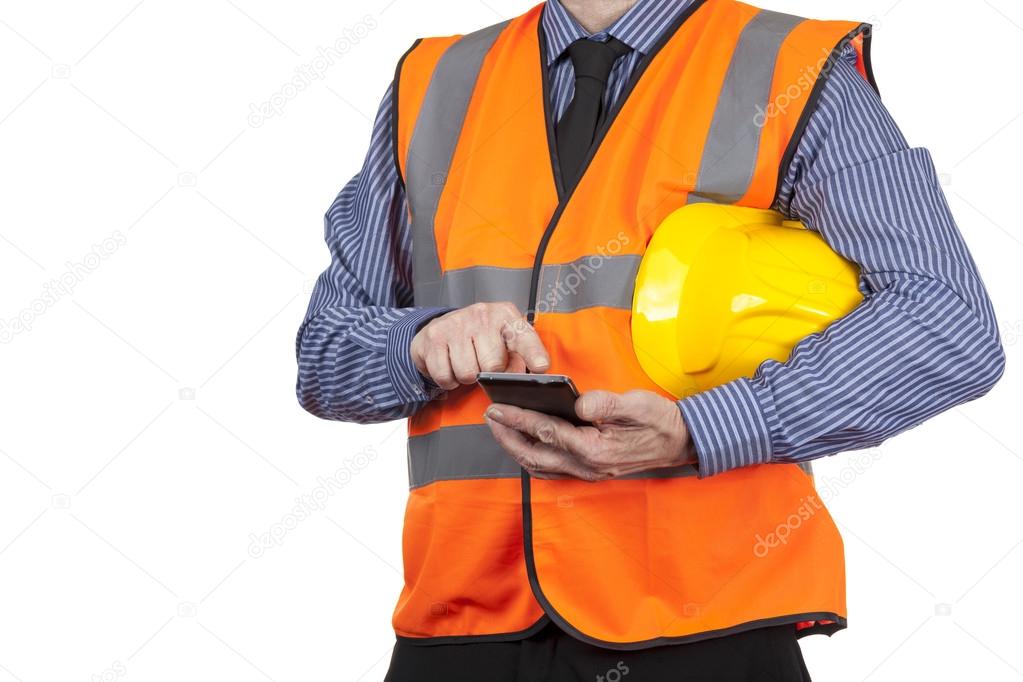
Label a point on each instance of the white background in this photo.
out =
(148, 424)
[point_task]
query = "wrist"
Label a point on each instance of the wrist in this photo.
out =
(408, 381)
(685, 450)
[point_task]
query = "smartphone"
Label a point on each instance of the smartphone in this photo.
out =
(553, 394)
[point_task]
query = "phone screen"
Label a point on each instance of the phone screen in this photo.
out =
(552, 394)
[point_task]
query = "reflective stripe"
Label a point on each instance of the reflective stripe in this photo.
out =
(730, 152)
(432, 147)
(457, 453)
(584, 283)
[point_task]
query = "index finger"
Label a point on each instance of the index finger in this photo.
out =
(521, 338)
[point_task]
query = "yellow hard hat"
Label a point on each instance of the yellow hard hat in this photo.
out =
(721, 289)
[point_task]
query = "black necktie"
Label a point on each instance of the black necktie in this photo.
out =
(592, 62)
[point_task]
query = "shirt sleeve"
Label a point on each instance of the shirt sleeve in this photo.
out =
(923, 340)
(354, 362)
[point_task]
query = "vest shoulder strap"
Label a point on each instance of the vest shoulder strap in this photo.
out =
(777, 70)
(439, 77)
(436, 77)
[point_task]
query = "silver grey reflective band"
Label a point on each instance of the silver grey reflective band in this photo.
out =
(432, 147)
(458, 453)
(587, 282)
(733, 142)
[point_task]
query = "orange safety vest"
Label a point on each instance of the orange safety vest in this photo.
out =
(490, 553)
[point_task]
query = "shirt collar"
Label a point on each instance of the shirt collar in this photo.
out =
(639, 28)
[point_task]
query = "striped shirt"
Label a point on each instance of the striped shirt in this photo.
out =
(923, 340)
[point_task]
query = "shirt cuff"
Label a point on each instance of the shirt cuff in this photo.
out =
(409, 384)
(728, 426)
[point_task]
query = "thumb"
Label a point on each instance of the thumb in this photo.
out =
(594, 406)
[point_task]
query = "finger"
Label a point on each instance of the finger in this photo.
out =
(538, 458)
(547, 429)
(463, 361)
(491, 353)
(515, 363)
(521, 338)
(438, 366)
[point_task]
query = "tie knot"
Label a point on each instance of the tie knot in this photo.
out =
(592, 59)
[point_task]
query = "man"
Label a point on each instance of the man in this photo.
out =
(505, 157)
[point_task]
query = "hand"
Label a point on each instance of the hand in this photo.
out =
(484, 337)
(632, 432)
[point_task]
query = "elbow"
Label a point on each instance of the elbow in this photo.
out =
(319, 387)
(320, 401)
(327, 400)
(324, 405)
(981, 366)
(993, 366)
(975, 359)
(315, 401)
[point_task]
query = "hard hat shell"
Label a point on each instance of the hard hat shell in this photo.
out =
(722, 288)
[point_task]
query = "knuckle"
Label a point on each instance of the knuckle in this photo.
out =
(517, 330)
(509, 308)
(491, 364)
(528, 462)
(599, 404)
(482, 313)
(442, 377)
(546, 433)
(434, 334)
(507, 333)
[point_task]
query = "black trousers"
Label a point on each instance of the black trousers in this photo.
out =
(764, 655)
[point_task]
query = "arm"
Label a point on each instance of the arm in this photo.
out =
(353, 346)
(925, 337)
(923, 340)
(364, 350)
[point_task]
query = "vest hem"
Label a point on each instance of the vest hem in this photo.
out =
(540, 624)
(838, 622)
(823, 628)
